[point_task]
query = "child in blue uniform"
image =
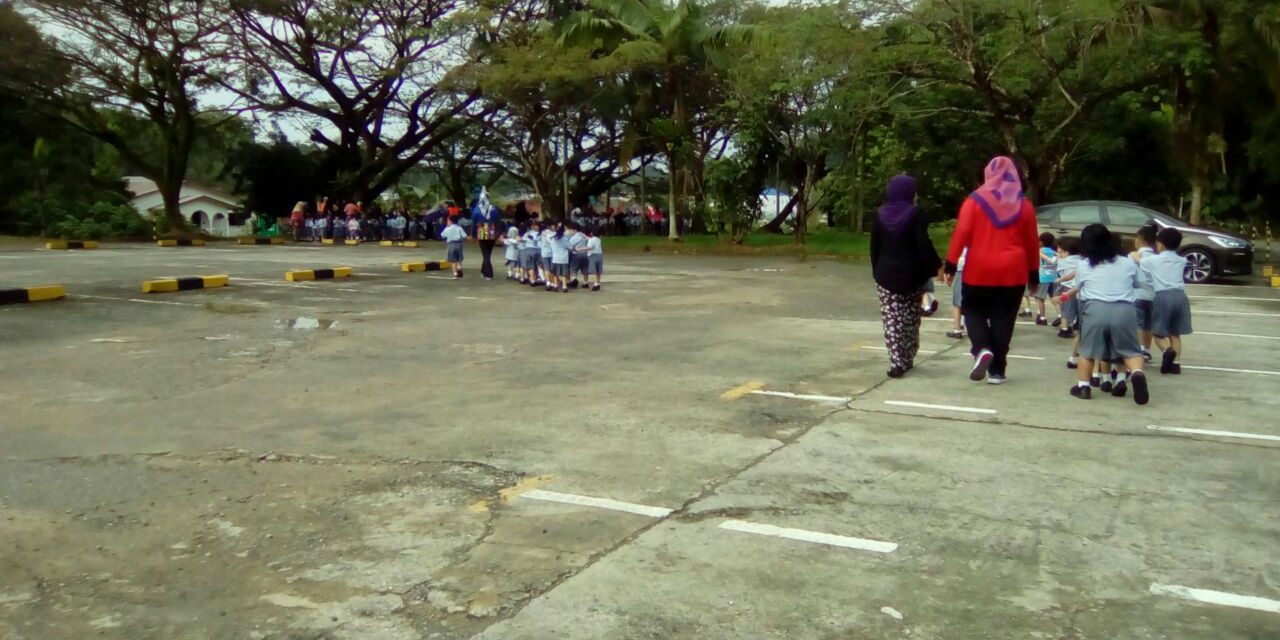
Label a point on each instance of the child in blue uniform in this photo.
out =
(1170, 308)
(1048, 274)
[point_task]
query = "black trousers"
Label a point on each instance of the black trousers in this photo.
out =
(990, 314)
(486, 250)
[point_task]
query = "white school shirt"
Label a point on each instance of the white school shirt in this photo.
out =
(1114, 281)
(530, 240)
(1067, 265)
(595, 247)
(544, 242)
(513, 244)
(453, 233)
(560, 250)
(1145, 292)
(577, 241)
(1167, 271)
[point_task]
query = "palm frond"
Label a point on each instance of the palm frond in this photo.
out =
(637, 14)
(638, 52)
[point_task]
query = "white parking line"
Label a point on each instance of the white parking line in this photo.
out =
(1236, 335)
(1213, 432)
(927, 352)
(939, 407)
(1234, 298)
(803, 535)
(1255, 372)
(1237, 313)
(138, 300)
(598, 503)
(799, 396)
(1216, 597)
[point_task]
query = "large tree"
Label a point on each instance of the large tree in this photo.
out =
(381, 83)
(1038, 69)
(129, 73)
(673, 52)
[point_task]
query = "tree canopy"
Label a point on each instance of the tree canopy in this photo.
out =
(1169, 103)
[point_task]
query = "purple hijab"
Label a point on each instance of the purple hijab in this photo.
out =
(900, 203)
(1000, 197)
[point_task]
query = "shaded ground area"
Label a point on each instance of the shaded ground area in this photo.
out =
(408, 456)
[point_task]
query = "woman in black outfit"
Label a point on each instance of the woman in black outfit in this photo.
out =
(903, 259)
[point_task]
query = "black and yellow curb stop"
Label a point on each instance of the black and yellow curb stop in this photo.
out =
(318, 274)
(352, 243)
(259, 241)
(43, 293)
(63, 245)
(418, 267)
(181, 242)
(192, 283)
(412, 244)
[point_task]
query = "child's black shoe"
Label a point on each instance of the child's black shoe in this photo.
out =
(1106, 386)
(1057, 322)
(1042, 322)
(1120, 390)
(1167, 361)
(1084, 393)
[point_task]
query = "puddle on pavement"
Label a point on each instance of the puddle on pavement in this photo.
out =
(303, 323)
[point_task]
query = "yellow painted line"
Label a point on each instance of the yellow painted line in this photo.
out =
(352, 242)
(327, 241)
(741, 391)
(524, 486)
(46, 293)
(411, 244)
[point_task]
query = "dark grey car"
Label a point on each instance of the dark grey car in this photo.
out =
(1209, 253)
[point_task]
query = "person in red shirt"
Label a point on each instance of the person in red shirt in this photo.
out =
(998, 226)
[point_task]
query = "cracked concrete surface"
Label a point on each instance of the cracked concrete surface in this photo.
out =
(204, 471)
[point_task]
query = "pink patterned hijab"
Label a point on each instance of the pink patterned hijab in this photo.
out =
(1000, 197)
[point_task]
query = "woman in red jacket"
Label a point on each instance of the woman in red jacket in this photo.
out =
(998, 226)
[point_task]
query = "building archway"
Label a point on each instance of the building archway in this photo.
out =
(200, 219)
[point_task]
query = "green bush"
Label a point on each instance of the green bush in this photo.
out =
(100, 220)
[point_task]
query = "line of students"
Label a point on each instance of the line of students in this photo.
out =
(553, 255)
(1114, 306)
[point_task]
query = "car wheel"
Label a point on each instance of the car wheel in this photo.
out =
(1199, 265)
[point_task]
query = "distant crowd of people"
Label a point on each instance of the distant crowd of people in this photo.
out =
(330, 220)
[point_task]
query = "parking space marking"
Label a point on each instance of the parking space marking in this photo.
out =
(1216, 597)
(928, 352)
(138, 300)
(741, 390)
(1236, 335)
(1237, 313)
(1234, 298)
(939, 407)
(801, 396)
(802, 535)
(598, 503)
(1255, 372)
(1214, 432)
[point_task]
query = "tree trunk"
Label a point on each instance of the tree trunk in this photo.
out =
(673, 232)
(1197, 201)
(775, 225)
(171, 194)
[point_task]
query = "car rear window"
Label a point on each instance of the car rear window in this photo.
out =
(1122, 216)
(1079, 214)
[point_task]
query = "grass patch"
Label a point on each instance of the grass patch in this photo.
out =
(839, 244)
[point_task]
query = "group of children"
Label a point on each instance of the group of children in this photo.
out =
(551, 255)
(1112, 305)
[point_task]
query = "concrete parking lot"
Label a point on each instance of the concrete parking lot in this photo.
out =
(707, 448)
